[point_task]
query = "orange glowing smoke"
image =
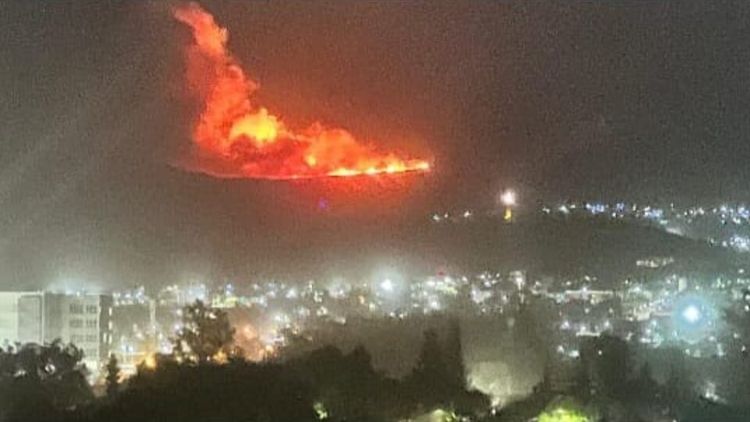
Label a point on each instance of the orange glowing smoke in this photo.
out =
(236, 138)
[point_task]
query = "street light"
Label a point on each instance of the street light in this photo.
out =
(692, 314)
(387, 285)
(509, 200)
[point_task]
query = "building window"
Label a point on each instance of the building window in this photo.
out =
(76, 308)
(76, 338)
(92, 309)
(92, 338)
(91, 323)
(91, 353)
(76, 323)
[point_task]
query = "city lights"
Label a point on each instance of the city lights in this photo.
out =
(562, 415)
(692, 314)
(508, 198)
(694, 318)
(426, 212)
(387, 285)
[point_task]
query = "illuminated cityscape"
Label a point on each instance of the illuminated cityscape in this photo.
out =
(656, 308)
(659, 308)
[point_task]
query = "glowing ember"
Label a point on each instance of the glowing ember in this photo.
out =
(236, 138)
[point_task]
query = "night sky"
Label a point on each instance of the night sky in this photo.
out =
(638, 101)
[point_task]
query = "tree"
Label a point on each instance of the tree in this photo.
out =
(607, 361)
(345, 385)
(563, 415)
(428, 379)
(206, 334)
(36, 381)
(113, 376)
(241, 391)
(644, 388)
(678, 388)
(738, 318)
(582, 381)
(454, 358)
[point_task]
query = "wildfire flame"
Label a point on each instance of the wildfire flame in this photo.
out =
(236, 138)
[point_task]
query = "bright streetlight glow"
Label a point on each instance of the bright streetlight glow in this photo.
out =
(692, 314)
(387, 285)
(562, 415)
(508, 198)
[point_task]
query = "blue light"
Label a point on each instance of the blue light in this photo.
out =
(693, 318)
(692, 314)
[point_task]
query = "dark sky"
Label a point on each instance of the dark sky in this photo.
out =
(637, 100)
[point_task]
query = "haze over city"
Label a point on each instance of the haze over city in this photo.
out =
(559, 101)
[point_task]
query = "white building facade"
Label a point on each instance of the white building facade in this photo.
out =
(41, 317)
